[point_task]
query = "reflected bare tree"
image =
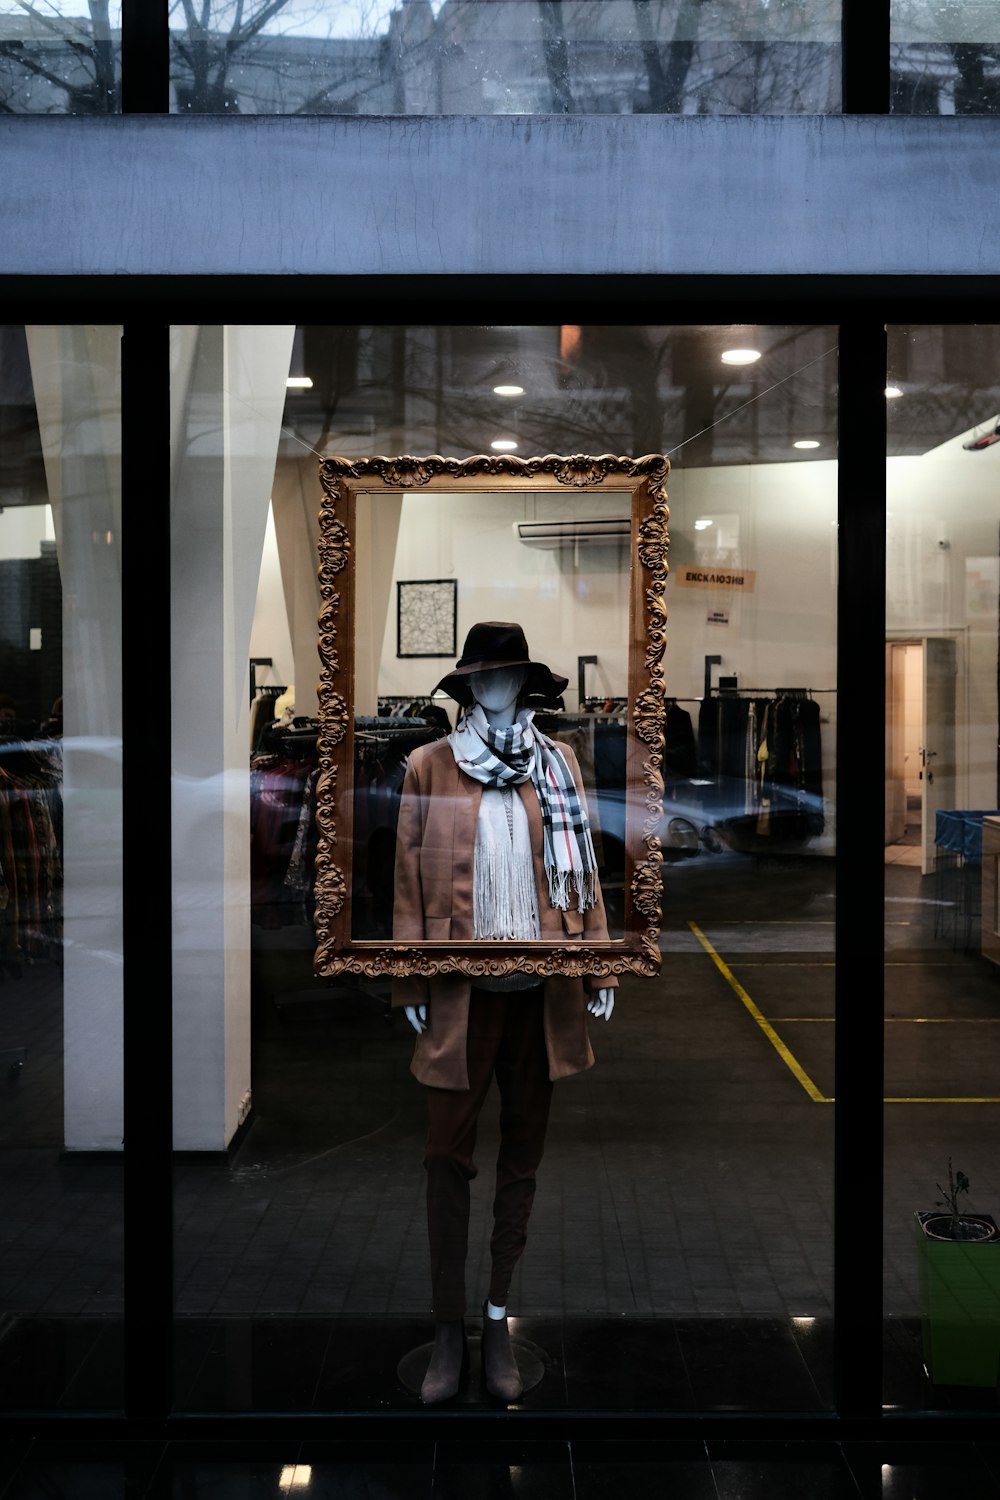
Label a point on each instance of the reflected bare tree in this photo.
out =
(57, 64)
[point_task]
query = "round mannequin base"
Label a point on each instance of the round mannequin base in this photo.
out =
(531, 1362)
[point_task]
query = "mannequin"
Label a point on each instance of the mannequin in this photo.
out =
(493, 841)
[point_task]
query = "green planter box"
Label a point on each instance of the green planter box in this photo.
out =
(960, 1299)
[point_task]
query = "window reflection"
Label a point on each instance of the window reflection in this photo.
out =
(945, 57)
(506, 57)
(60, 57)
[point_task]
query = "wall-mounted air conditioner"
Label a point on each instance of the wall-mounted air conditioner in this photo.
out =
(568, 533)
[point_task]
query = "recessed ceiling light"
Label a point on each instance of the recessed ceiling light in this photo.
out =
(299, 383)
(702, 524)
(806, 443)
(503, 445)
(740, 356)
(508, 390)
(892, 391)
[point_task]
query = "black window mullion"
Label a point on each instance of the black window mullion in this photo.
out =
(148, 1205)
(860, 893)
(145, 57)
(865, 57)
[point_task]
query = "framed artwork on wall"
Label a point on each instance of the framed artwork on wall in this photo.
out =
(426, 615)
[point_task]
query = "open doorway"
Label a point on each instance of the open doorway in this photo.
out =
(921, 677)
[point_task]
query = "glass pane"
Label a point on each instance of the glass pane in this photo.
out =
(60, 869)
(942, 1299)
(507, 57)
(60, 57)
(945, 57)
(679, 1248)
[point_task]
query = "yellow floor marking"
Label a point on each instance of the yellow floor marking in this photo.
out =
(795, 1066)
(786, 1056)
(910, 1020)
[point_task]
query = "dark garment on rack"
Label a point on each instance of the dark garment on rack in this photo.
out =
(381, 746)
(30, 854)
(680, 759)
(277, 791)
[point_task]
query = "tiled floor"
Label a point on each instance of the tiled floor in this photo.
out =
(498, 1471)
(684, 1216)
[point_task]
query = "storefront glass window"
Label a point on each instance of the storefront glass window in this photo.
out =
(945, 57)
(486, 57)
(942, 1301)
(60, 869)
(60, 57)
(680, 1244)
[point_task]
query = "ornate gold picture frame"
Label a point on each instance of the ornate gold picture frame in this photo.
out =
(359, 522)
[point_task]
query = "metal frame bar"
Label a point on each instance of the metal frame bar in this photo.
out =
(862, 313)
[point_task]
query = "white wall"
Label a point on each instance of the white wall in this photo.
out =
(571, 601)
(269, 634)
(943, 577)
(777, 520)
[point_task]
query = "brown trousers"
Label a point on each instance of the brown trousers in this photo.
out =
(505, 1039)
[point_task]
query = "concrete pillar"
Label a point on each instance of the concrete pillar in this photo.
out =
(76, 373)
(227, 405)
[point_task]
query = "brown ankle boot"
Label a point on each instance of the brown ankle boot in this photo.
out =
(448, 1361)
(500, 1373)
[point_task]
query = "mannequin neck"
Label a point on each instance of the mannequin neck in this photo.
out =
(500, 718)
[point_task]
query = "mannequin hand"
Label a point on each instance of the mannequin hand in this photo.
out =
(602, 1003)
(417, 1017)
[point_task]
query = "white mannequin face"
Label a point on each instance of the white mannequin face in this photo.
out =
(496, 690)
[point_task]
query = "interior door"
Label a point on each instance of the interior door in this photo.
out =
(895, 764)
(937, 749)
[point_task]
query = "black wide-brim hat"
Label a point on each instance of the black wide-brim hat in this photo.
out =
(498, 643)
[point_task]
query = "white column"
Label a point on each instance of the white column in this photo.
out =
(297, 496)
(227, 404)
(76, 373)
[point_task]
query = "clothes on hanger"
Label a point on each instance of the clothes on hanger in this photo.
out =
(30, 852)
(381, 746)
(762, 749)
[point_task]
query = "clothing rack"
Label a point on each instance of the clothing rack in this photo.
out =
(756, 692)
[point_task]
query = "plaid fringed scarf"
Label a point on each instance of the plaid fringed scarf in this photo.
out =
(505, 757)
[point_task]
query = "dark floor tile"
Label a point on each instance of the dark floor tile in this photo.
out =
(906, 1384)
(95, 1470)
(41, 1360)
(746, 1364)
(258, 1365)
(629, 1364)
(815, 1341)
(193, 1340)
(990, 1455)
(12, 1451)
(920, 1471)
(98, 1383)
(781, 1471)
(493, 1471)
(659, 1471)
(362, 1471)
(275, 1471)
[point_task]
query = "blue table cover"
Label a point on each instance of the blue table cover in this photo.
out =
(960, 831)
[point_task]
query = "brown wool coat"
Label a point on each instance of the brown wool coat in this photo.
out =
(435, 843)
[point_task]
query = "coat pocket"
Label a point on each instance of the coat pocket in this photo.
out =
(573, 923)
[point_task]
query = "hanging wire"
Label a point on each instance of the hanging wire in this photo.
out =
(744, 404)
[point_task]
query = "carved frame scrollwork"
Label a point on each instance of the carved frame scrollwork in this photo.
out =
(343, 479)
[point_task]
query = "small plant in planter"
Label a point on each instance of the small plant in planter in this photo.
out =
(959, 1262)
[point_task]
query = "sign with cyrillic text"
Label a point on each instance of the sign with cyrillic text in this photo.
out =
(689, 576)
